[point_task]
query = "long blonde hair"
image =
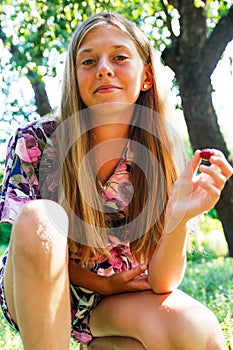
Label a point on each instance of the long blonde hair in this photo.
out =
(94, 230)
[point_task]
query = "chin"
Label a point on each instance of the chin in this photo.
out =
(114, 112)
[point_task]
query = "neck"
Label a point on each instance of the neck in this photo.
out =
(110, 121)
(109, 132)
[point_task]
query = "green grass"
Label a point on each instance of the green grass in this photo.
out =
(208, 278)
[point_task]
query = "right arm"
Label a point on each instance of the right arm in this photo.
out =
(191, 196)
(127, 281)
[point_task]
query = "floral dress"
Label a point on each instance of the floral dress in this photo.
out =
(21, 184)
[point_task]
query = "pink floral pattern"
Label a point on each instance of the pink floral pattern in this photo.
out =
(21, 176)
(27, 149)
(118, 190)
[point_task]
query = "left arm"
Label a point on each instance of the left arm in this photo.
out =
(168, 263)
(191, 195)
(126, 281)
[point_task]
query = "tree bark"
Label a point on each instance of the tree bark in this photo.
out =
(41, 97)
(193, 58)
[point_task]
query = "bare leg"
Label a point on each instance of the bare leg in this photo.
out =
(114, 343)
(36, 279)
(168, 322)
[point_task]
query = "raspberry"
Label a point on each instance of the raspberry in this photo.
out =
(206, 153)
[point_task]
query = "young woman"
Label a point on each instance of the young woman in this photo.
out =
(99, 213)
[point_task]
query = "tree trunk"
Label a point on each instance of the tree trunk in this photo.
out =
(193, 58)
(41, 97)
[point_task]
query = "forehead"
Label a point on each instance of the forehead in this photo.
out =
(106, 35)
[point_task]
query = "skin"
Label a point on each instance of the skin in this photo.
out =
(136, 313)
(36, 279)
(106, 68)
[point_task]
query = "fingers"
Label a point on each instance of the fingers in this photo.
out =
(191, 167)
(213, 191)
(220, 169)
(216, 175)
(218, 159)
(194, 162)
(135, 272)
(136, 279)
(195, 193)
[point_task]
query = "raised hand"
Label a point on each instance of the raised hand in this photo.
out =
(192, 193)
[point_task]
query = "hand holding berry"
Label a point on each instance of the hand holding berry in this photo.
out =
(194, 194)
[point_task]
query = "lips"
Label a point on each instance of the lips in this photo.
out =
(106, 88)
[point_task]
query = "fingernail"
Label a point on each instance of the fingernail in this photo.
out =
(143, 266)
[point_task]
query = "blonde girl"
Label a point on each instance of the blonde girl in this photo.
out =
(82, 259)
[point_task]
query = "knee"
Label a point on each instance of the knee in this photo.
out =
(40, 228)
(199, 324)
(184, 323)
(208, 328)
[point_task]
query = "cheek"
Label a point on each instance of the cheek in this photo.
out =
(136, 74)
(78, 80)
(82, 84)
(135, 82)
(81, 76)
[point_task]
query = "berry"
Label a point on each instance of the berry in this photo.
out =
(206, 153)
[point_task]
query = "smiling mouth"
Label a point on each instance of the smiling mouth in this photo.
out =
(106, 89)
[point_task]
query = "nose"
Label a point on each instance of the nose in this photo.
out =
(104, 69)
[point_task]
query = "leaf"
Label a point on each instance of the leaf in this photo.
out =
(199, 3)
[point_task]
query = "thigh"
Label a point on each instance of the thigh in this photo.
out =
(156, 321)
(127, 314)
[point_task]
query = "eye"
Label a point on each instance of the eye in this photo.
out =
(88, 62)
(120, 58)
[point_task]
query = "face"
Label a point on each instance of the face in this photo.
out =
(109, 68)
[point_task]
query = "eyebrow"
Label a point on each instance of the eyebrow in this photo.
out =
(88, 50)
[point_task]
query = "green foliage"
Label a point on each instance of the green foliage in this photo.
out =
(209, 243)
(209, 276)
(216, 10)
(41, 27)
(1, 174)
(213, 213)
(199, 3)
(5, 231)
(211, 282)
